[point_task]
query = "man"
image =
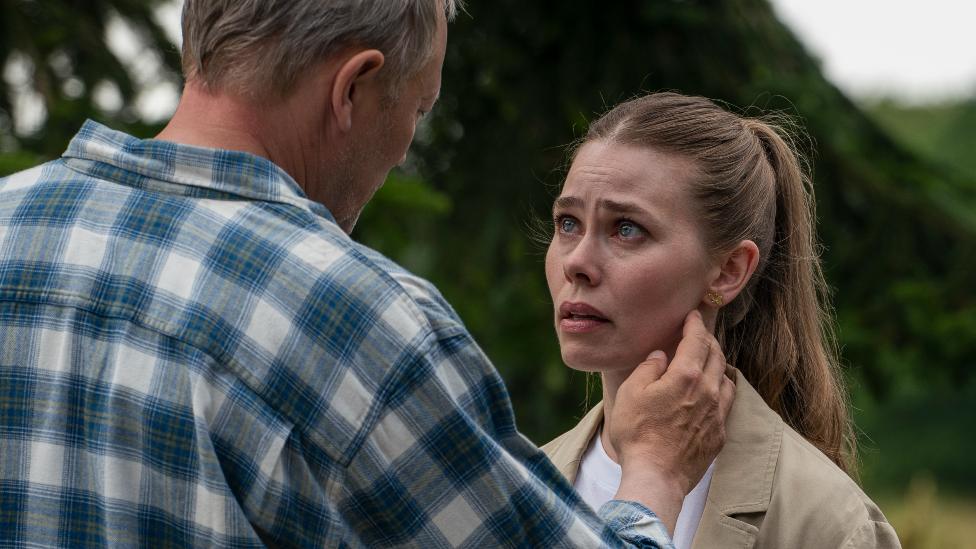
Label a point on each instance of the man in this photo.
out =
(193, 352)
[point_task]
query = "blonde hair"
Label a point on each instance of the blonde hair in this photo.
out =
(753, 186)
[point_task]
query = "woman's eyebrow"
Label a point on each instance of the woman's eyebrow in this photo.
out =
(621, 207)
(570, 202)
(567, 202)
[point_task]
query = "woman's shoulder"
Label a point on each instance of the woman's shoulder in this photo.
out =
(555, 444)
(772, 488)
(812, 496)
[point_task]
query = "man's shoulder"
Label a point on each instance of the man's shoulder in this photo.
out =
(53, 171)
(298, 271)
(319, 327)
(434, 307)
(215, 255)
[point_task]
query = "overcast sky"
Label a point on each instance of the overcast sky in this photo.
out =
(911, 49)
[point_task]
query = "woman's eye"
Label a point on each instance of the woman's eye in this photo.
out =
(565, 224)
(628, 229)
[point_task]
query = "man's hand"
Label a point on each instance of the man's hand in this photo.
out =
(668, 423)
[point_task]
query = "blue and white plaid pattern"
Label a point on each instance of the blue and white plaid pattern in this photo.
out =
(194, 354)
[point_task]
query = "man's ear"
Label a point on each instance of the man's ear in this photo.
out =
(358, 71)
(734, 272)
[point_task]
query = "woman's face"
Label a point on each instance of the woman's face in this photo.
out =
(627, 262)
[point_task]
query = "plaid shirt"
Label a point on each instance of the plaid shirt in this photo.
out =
(192, 353)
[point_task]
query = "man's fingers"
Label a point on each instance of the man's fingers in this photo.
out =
(730, 372)
(650, 370)
(694, 347)
(726, 396)
(694, 322)
(715, 365)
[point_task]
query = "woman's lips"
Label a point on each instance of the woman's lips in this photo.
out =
(580, 318)
(581, 325)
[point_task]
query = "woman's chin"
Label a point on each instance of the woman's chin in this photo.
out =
(586, 361)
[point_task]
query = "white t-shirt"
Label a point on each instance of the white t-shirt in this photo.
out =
(599, 477)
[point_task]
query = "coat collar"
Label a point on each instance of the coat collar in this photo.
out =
(742, 481)
(567, 451)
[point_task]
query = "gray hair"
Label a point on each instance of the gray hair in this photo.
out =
(259, 48)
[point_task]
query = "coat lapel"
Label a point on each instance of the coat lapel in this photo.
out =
(567, 451)
(742, 481)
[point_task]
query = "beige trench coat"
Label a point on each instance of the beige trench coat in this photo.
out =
(770, 489)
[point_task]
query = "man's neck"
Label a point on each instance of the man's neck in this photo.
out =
(216, 121)
(282, 131)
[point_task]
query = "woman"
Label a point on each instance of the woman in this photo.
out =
(673, 204)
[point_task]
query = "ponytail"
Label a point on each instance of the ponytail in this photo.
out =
(784, 344)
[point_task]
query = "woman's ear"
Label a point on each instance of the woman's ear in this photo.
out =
(358, 71)
(734, 272)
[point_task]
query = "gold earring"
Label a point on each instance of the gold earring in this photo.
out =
(714, 298)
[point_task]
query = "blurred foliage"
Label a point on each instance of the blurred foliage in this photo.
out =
(402, 220)
(928, 433)
(944, 132)
(520, 83)
(15, 162)
(57, 51)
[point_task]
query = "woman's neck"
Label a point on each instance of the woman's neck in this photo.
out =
(611, 382)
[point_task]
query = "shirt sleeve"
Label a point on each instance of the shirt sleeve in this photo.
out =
(444, 466)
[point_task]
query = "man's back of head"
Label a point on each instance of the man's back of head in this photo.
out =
(260, 48)
(330, 91)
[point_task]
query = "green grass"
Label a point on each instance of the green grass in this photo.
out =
(924, 519)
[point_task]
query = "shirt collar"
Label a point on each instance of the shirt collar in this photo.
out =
(232, 172)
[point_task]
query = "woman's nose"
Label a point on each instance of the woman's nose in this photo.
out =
(582, 264)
